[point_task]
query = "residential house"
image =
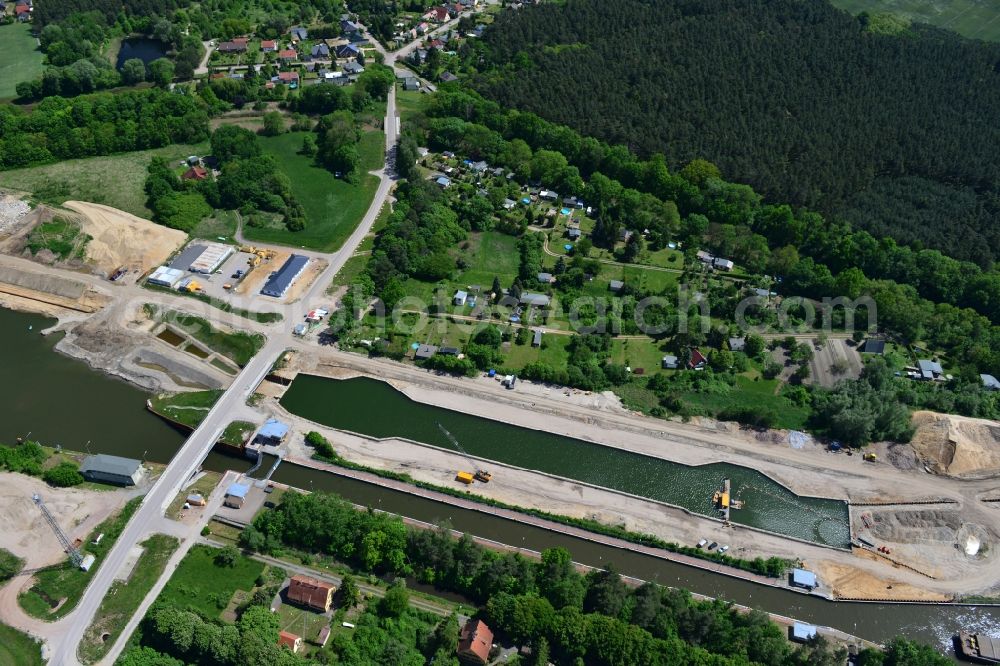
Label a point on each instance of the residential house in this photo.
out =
(508, 204)
(930, 370)
(347, 51)
(669, 362)
(705, 257)
(872, 346)
(347, 26)
(425, 352)
(233, 46)
(615, 286)
(722, 264)
(447, 77)
(737, 344)
(320, 50)
(23, 13)
(195, 173)
(536, 338)
(269, 45)
(291, 79)
(437, 14)
(443, 182)
(475, 643)
(698, 360)
(548, 195)
(411, 83)
(353, 68)
(535, 300)
(479, 166)
(990, 382)
(288, 55)
(460, 297)
(311, 593)
(574, 233)
(545, 278)
(298, 33)
(449, 351)
(290, 641)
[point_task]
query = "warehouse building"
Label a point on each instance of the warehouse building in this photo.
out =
(112, 469)
(211, 258)
(281, 280)
(165, 276)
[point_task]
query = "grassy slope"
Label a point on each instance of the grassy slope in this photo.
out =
(333, 207)
(113, 180)
(123, 599)
(18, 648)
(200, 585)
(188, 408)
(20, 59)
(239, 346)
(978, 19)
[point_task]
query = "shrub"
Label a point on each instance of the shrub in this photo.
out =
(63, 475)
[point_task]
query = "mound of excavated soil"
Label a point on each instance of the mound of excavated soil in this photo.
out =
(957, 445)
(122, 239)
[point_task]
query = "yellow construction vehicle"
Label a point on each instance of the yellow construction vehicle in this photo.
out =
(253, 261)
(870, 457)
(481, 474)
(464, 477)
(227, 286)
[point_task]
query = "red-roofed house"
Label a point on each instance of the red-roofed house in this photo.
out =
(195, 173)
(439, 14)
(698, 360)
(291, 79)
(475, 643)
(310, 592)
(23, 12)
(290, 641)
(288, 55)
(269, 45)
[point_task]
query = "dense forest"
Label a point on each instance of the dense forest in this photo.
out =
(47, 11)
(895, 134)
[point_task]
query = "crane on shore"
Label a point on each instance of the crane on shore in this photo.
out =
(71, 550)
(480, 475)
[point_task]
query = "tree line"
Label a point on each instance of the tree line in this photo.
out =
(547, 605)
(99, 124)
(798, 99)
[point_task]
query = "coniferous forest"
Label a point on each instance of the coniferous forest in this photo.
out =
(896, 134)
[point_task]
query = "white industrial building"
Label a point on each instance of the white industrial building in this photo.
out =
(165, 276)
(211, 258)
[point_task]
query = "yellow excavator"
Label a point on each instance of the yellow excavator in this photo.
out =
(480, 475)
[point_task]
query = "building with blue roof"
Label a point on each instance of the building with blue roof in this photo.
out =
(236, 495)
(278, 284)
(804, 579)
(802, 632)
(272, 433)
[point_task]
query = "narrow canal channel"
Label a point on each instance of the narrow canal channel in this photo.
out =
(62, 401)
(374, 408)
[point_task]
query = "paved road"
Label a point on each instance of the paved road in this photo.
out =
(189, 458)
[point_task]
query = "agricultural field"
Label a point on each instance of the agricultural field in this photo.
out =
(20, 59)
(976, 19)
(333, 207)
(112, 180)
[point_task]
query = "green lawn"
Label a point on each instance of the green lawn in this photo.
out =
(20, 59)
(409, 103)
(124, 598)
(18, 649)
(57, 589)
(237, 432)
(114, 180)
(978, 19)
(351, 269)
(239, 346)
(334, 208)
(755, 395)
(200, 585)
(222, 224)
(188, 408)
(645, 354)
(264, 317)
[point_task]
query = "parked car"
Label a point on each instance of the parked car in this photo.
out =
(724, 549)
(701, 544)
(713, 545)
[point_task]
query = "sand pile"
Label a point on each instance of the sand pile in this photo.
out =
(122, 239)
(957, 445)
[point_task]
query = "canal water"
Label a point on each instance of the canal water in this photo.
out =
(145, 49)
(62, 401)
(374, 408)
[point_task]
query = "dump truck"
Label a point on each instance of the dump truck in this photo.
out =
(465, 477)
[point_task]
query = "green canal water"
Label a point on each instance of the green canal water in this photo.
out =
(372, 407)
